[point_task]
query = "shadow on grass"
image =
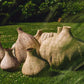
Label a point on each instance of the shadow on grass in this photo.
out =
(15, 70)
(47, 72)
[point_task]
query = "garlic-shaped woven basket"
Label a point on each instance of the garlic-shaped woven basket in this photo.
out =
(64, 50)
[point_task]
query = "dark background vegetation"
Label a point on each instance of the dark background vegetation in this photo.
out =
(13, 11)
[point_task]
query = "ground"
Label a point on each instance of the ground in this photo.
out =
(49, 75)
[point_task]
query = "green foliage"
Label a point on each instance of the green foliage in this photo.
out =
(39, 10)
(43, 7)
(73, 11)
(28, 10)
(37, 2)
(6, 14)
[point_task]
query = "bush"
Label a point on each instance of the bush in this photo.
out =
(40, 10)
(10, 12)
(73, 11)
(5, 9)
(29, 10)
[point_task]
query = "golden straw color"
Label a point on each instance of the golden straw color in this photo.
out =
(38, 34)
(33, 65)
(55, 49)
(43, 36)
(23, 42)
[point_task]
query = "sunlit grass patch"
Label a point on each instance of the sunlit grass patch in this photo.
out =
(47, 76)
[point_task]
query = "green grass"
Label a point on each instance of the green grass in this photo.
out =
(47, 76)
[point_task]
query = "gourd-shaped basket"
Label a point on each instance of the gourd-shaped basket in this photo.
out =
(23, 42)
(9, 62)
(64, 50)
(33, 65)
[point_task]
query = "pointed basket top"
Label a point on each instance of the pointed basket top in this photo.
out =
(66, 27)
(8, 50)
(59, 29)
(19, 30)
(39, 32)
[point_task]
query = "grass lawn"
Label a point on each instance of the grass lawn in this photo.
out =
(47, 76)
